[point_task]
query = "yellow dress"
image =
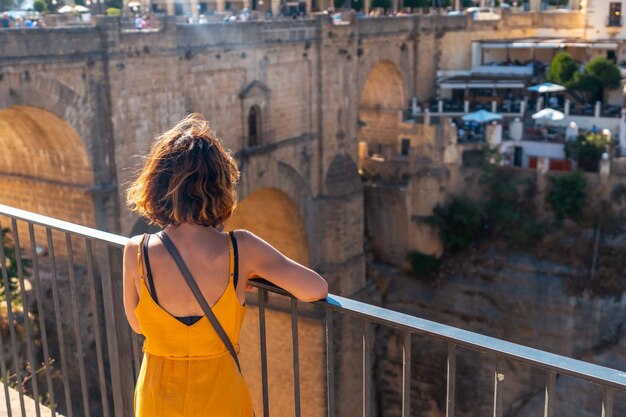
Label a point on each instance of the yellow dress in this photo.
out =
(186, 370)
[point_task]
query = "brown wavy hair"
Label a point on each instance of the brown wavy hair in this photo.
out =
(188, 177)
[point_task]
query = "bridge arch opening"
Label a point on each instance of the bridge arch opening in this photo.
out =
(382, 99)
(272, 215)
(45, 166)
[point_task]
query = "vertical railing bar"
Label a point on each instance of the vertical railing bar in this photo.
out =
(77, 332)
(330, 364)
(367, 367)
(96, 326)
(3, 363)
(451, 381)
(406, 375)
(498, 385)
(266, 405)
(296, 356)
(42, 318)
(59, 323)
(550, 394)
(111, 331)
(7, 294)
(3, 368)
(136, 362)
(27, 324)
(607, 402)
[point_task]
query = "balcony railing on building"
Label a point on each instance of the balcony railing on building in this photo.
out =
(41, 360)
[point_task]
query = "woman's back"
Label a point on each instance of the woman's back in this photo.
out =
(187, 369)
(206, 254)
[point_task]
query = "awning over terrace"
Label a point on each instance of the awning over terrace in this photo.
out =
(543, 43)
(478, 83)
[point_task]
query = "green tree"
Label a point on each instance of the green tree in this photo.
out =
(460, 223)
(563, 69)
(568, 195)
(588, 85)
(605, 72)
(381, 4)
(413, 4)
(599, 75)
(40, 6)
(353, 4)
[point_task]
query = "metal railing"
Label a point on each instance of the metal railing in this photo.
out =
(117, 348)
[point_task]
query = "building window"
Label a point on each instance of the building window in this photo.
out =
(254, 126)
(615, 13)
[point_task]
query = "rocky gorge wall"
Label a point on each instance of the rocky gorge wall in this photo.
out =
(507, 295)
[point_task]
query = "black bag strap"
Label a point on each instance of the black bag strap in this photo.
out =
(146, 261)
(169, 245)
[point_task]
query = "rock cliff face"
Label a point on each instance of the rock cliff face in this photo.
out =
(510, 296)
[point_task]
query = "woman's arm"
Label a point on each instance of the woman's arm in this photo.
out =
(262, 259)
(131, 276)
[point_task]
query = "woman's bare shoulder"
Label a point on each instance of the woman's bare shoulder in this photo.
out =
(133, 242)
(248, 240)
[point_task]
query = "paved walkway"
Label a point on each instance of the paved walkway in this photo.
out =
(29, 405)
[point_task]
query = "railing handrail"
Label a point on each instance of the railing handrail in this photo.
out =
(61, 225)
(507, 350)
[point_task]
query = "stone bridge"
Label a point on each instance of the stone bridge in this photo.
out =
(79, 106)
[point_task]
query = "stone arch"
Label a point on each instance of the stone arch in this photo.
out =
(384, 87)
(49, 94)
(273, 215)
(382, 97)
(385, 57)
(45, 165)
(87, 119)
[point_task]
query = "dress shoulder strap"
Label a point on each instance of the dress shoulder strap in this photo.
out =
(146, 262)
(234, 259)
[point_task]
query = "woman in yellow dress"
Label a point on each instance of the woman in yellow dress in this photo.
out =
(184, 288)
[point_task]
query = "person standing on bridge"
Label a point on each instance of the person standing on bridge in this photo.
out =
(184, 287)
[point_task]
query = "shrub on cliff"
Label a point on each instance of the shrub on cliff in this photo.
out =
(568, 195)
(423, 265)
(11, 266)
(460, 223)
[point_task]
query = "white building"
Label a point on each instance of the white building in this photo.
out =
(604, 19)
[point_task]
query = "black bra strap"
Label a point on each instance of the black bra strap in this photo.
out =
(171, 248)
(236, 255)
(146, 261)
